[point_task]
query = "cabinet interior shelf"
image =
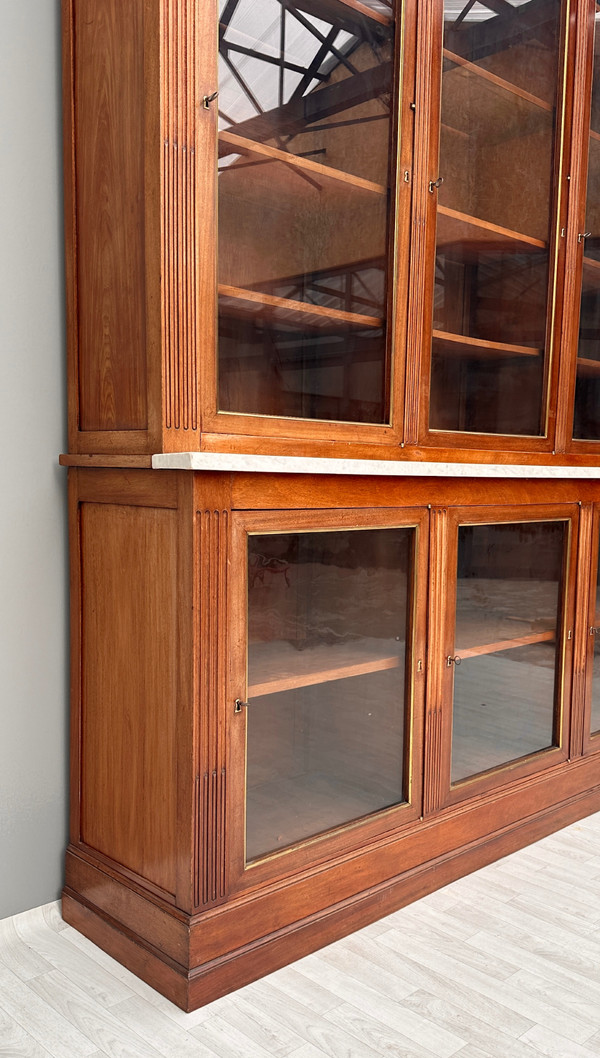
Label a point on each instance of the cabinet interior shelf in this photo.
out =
(236, 301)
(463, 345)
(280, 666)
(591, 272)
(505, 644)
(254, 152)
(461, 229)
(492, 78)
(588, 368)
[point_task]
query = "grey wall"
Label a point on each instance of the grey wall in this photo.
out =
(33, 577)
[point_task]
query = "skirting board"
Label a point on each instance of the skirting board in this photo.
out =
(203, 984)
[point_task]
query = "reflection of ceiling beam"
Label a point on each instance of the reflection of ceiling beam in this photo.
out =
(226, 47)
(315, 64)
(293, 117)
(339, 55)
(345, 16)
(227, 14)
(537, 20)
(499, 7)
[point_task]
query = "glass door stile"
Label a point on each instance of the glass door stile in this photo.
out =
(500, 97)
(586, 423)
(305, 194)
(330, 630)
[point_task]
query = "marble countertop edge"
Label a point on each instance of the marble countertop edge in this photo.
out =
(266, 464)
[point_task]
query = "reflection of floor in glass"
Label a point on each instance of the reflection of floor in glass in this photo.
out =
(491, 611)
(322, 756)
(282, 813)
(503, 708)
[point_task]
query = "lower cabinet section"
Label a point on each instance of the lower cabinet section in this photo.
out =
(298, 704)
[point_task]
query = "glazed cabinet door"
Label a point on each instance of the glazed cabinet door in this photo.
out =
(501, 639)
(494, 194)
(328, 673)
(312, 217)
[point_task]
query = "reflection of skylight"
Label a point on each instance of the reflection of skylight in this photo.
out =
(474, 12)
(269, 53)
(228, 159)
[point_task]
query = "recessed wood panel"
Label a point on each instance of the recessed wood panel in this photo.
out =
(110, 209)
(129, 668)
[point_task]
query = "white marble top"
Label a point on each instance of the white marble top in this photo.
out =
(368, 467)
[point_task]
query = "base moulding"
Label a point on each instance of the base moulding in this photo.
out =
(190, 988)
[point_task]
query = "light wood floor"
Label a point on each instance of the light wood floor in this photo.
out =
(502, 964)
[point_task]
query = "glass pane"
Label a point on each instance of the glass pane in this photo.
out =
(595, 718)
(507, 637)
(327, 626)
(305, 94)
(498, 112)
(586, 425)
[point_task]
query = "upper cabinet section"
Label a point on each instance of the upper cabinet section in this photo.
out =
(353, 227)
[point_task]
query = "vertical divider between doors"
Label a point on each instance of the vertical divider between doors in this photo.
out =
(576, 166)
(434, 766)
(426, 151)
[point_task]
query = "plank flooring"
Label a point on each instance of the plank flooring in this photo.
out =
(502, 964)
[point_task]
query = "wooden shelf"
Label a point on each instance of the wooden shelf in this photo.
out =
(489, 627)
(456, 229)
(235, 301)
(252, 150)
(591, 272)
(587, 368)
(462, 345)
(279, 666)
(505, 644)
(498, 82)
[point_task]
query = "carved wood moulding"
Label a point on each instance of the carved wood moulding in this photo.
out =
(179, 236)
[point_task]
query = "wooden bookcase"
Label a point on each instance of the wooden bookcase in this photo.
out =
(361, 232)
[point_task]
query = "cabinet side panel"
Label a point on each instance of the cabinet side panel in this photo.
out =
(109, 92)
(129, 674)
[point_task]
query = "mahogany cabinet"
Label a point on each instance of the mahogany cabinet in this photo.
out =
(333, 227)
(299, 703)
(361, 237)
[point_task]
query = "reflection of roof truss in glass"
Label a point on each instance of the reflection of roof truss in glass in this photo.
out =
(475, 28)
(458, 11)
(276, 61)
